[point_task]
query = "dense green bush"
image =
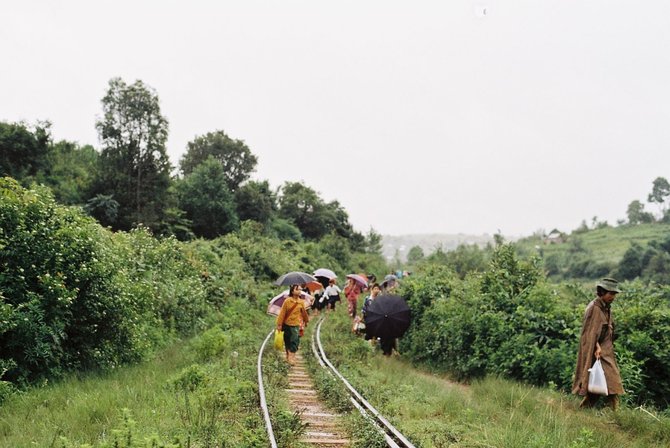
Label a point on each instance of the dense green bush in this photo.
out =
(75, 295)
(510, 321)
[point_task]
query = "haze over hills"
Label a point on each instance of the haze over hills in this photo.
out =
(400, 245)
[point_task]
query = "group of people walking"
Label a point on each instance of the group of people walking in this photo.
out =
(596, 339)
(293, 316)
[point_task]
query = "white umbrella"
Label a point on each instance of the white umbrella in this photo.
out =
(323, 272)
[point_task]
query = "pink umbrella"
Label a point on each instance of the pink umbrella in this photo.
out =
(274, 307)
(362, 282)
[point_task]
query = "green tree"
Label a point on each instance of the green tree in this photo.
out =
(234, 155)
(208, 203)
(373, 242)
(23, 151)
(338, 219)
(256, 201)
(660, 191)
(104, 208)
(415, 255)
(467, 258)
(337, 247)
(583, 227)
(69, 171)
(134, 165)
(283, 229)
(658, 268)
(636, 213)
(630, 265)
(302, 205)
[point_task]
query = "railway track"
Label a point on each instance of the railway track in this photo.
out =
(322, 425)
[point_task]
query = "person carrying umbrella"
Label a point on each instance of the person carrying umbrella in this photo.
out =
(359, 322)
(375, 290)
(387, 317)
(290, 316)
(352, 290)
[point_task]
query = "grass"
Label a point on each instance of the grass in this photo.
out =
(86, 408)
(607, 245)
(200, 393)
(435, 412)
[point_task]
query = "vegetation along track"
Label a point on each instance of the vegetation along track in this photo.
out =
(323, 425)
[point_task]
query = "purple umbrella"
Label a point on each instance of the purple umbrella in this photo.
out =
(362, 282)
(274, 307)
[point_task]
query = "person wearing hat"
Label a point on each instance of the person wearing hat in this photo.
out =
(596, 342)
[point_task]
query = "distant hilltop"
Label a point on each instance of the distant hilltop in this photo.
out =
(399, 245)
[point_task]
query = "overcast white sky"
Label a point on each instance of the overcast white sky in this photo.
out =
(419, 117)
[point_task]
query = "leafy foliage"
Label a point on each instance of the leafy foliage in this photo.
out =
(207, 201)
(23, 152)
(234, 156)
(509, 321)
(659, 192)
(256, 201)
(134, 165)
(315, 218)
(77, 296)
(69, 171)
(636, 213)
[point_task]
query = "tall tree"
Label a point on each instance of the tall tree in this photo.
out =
(338, 221)
(304, 207)
(135, 167)
(208, 203)
(659, 191)
(636, 213)
(23, 151)
(256, 201)
(234, 155)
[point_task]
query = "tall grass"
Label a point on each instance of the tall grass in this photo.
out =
(201, 392)
(435, 412)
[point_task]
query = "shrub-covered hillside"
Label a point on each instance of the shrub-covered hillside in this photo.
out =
(624, 252)
(78, 296)
(511, 321)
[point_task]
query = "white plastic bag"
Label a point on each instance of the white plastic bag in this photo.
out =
(597, 382)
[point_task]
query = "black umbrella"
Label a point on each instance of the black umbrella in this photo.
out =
(294, 278)
(388, 316)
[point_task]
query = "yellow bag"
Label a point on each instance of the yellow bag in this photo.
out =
(279, 340)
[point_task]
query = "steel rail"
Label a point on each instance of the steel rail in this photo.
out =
(391, 434)
(261, 392)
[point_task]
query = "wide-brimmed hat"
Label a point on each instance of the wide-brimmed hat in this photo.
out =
(609, 284)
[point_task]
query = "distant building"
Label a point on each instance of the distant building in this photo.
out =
(555, 237)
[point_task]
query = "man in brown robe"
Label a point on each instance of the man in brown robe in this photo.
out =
(596, 342)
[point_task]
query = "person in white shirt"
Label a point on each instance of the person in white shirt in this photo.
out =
(332, 294)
